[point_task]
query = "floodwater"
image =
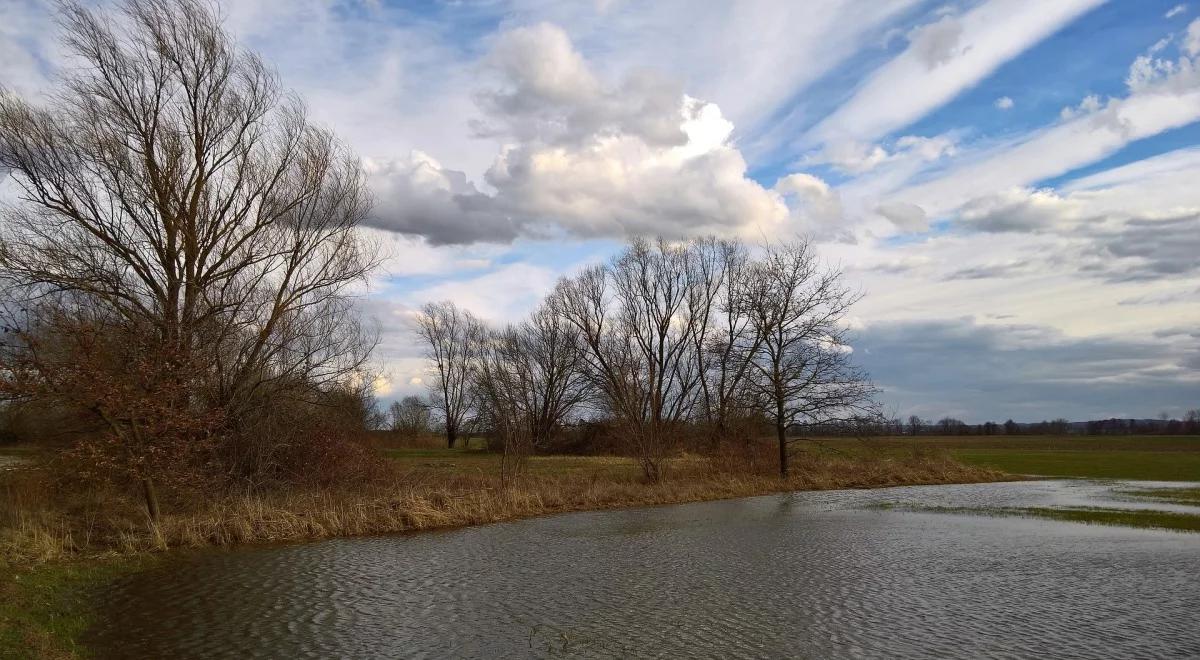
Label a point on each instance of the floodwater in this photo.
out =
(842, 574)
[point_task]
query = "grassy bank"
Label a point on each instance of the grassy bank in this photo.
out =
(46, 607)
(430, 489)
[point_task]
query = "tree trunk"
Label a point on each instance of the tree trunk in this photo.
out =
(151, 498)
(451, 435)
(781, 433)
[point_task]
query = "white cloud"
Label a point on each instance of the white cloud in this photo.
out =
(906, 217)
(1004, 103)
(853, 157)
(1163, 95)
(1175, 11)
(1136, 222)
(938, 42)
(582, 158)
(1090, 103)
(27, 46)
(750, 58)
(943, 59)
(1191, 42)
(503, 295)
(816, 207)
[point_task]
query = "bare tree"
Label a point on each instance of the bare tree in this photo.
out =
(914, 425)
(726, 340)
(803, 370)
(452, 337)
(638, 328)
(528, 381)
(172, 186)
(409, 416)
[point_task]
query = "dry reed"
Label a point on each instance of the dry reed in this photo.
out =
(35, 525)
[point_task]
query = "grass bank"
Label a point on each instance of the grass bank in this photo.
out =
(429, 489)
(46, 607)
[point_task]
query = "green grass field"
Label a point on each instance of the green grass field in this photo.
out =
(1144, 465)
(1136, 457)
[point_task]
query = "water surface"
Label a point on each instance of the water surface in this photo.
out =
(808, 575)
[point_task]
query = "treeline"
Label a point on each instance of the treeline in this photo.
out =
(1164, 425)
(666, 347)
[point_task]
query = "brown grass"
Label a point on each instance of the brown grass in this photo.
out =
(38, 524)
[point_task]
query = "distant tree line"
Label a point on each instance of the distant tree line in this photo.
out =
(667, 346)
(1163, 425)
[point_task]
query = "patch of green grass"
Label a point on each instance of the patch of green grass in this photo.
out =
(46, 608)
(1173, 495)
(1095, 464)
(1143, 518)
(1184, 522)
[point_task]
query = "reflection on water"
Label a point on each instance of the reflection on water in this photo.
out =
(817, 575)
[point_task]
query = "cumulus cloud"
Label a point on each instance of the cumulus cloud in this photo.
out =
(546, 92)
(415, 195)
(816, 207)
(1175, 11)
(1004, 103)
(1020, 210)
(580, 158)
(1090, 103)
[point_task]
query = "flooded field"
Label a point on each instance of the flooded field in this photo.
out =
(901, 572)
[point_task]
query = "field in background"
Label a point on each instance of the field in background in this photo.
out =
(1139, 457)
(1142, 457)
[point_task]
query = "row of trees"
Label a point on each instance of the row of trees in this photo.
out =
(672, 343)
(1190, 424)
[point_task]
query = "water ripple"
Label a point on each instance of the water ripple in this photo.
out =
(807, 575)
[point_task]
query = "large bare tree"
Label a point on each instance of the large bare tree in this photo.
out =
(529, 380)
(639, 332)
(803, 371)
(453, 338)
(726, 341)
(173, 187)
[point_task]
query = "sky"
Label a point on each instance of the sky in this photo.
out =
(1012, 184)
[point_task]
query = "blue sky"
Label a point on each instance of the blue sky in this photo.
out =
(1011, 182)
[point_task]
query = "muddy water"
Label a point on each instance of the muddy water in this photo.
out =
(809, 575)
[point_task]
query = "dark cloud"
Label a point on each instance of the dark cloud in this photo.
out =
(978, 372)
(1145, 249)
(988, 271)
